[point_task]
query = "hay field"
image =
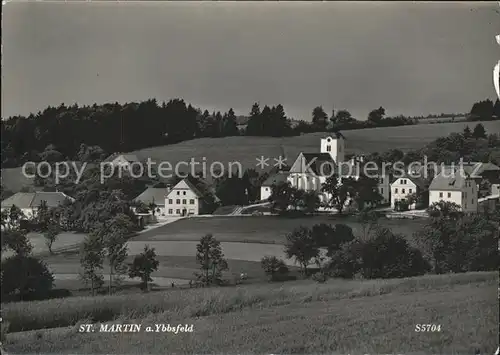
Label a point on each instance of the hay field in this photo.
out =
(375, 316)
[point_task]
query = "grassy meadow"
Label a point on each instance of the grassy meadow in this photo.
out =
(359, 316)
(259, 229)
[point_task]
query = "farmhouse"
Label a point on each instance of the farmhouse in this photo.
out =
(29, 202)
(453, 184)
(189, 196)
(156, 196)
(405, 189)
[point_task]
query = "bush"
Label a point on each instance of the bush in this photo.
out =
(319, 277)
(385, 256)
(26, 278)
(274, 267)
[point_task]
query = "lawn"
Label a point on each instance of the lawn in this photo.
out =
(373, 316)
(66, 267)
(259, 229)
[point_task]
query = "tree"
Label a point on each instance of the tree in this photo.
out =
(26, 277)
(50, 235)
(337, 193)
(496, 109)
(13, 237)
(273, 266)
(331, 237)
(301, 246)
(479, 131)
(230, 127)
(369, 223)
(319, 118)
(366, 192)
(375, 117)
(91, 261)
(281, 197)
(389, 255)
(467, 132)
(309, 202)
(143, 266)
(211, 258)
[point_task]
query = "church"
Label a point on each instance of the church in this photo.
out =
(310, 170)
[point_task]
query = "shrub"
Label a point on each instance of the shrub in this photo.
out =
(319, 277)
(273, 267)
(25, 277)
(385, 256)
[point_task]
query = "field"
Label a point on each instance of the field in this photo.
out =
(244, 241)
(258, 229)
(246, 149)
(372, 316)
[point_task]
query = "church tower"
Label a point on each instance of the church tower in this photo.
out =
(335, 146)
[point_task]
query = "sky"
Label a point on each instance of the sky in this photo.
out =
(412, 59)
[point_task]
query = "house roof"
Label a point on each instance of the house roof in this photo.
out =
(199, 187)
(449, 181)
(319, 162)
(34, 199)
(276, 179)
(129, 157)
(153, 194)
(479, 168)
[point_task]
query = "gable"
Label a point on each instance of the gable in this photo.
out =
(185, 185)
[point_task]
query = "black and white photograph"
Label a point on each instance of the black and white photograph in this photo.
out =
(250, 177)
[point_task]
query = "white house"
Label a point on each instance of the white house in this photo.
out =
(454, 185)
(29, 202)
(154, 195)
(186, 198)
(403, 187)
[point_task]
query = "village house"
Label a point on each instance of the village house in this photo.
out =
(188, 197)
(454, 185)
(404, 188)
(29, 202)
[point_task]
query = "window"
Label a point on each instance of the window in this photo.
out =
(178, 211)
(472, 201)
(409, 190)
(170, 211)
(440, 194)
(267, 188)
(381, 190)
(449, 194)
(340, 148)
(191, 202)
(396, 190)
(183, 201)
(178, 192)
(403, 191)
(169, 201)
(178, 201)
(184, 193)
(328, 148)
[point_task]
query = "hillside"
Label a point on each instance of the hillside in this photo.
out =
(376, 316)
(245, 149)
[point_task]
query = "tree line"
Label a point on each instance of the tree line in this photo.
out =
(81, 133)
